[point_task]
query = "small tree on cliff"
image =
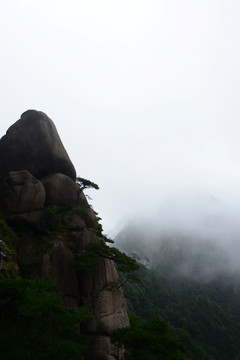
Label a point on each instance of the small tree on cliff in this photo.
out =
(88, 260)
(86, 184)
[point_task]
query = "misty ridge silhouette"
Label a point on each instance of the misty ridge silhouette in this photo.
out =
(193, 235)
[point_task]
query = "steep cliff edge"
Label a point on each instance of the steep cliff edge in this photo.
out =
(42, 202)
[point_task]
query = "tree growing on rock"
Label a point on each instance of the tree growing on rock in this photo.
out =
(86, 184)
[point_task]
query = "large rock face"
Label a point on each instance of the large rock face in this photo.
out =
(33, 144)
(39, 197)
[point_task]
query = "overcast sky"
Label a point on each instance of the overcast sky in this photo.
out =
(144, 94)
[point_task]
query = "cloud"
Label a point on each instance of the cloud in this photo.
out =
(144, 94)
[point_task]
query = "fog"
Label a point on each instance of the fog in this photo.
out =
(193, 235)
(145, 96)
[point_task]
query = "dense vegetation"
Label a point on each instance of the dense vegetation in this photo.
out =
(205, 316)
(172, 316)
(152, 340)
(35, 325)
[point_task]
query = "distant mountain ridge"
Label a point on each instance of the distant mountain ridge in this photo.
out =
(203, 255)
(192, 283)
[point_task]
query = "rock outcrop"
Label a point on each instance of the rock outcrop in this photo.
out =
(33, 144)
(22, 196)
(39, 195)
(60, 190)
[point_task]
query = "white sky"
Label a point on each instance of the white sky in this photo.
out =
(144, 94)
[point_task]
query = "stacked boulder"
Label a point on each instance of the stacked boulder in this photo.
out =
(35, 174)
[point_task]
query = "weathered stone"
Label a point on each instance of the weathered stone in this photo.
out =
(103, 295)
(33, 144)
(81, 239)
(73, 222)
(22, 196)
(101, 348)
(63, 191)
(101, 292)
(57, 263)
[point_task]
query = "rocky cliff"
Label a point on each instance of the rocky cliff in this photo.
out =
(54, 222)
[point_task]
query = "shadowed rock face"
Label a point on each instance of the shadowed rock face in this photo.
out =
(60, 190)
(22, 196)
(33, 144)
(38, 195)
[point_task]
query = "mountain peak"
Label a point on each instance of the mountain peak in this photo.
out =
(32, 143)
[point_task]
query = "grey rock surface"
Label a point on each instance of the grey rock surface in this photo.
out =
(33, 144)
(102, 294)
(57, 263)
(22, 196)
(61, 190)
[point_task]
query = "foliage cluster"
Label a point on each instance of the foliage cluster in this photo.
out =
(35, 325)
(153, 340)
(201, 313)
(51, 221)
(88, 260)
(86, 184)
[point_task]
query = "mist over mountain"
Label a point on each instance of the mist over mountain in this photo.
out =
(195, 235)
